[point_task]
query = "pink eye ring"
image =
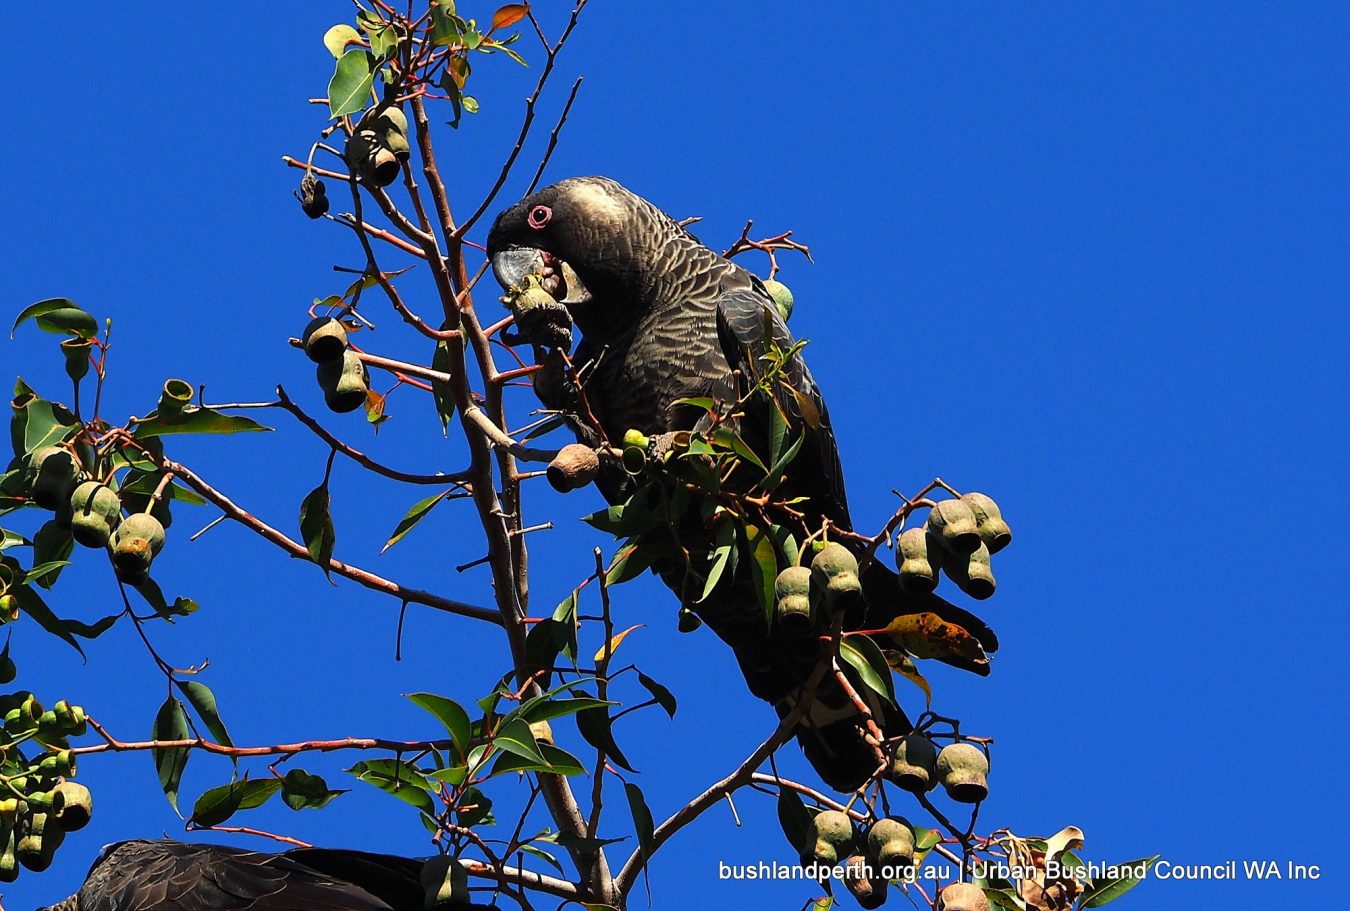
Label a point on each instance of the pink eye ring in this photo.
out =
(539, 217)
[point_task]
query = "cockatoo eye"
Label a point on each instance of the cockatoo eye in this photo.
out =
(539, 217)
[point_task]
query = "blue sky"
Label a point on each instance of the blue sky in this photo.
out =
(1089, 258)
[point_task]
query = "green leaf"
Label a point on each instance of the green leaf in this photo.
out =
(39, 572)
(58, 315)
(171, 723)
(10, 539)
(446, 27)
(154, 596)
(596, 727)
(219, 804)
(556, 761)
(441, 394)
(43, 427)
(401, 779)
(1103, 892)
(515, 737)
(197, 420)
(642, 820)
(608, 520)
(725, 542)
(706, 404)
(545, 857)
(546, 709)
(416, 514)
(730, 439)
(794, 818)
(786, 458)
(866, 657)
(203, 702)
(316, 526)
(629, 563)
(349, 89)
(35, 607)
(449, 713)
(52, 547)
(302, 791)
(7, 669)
(338, 37)
(763, 569)
(664, 697)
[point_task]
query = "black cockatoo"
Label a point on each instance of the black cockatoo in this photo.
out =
(179, 876)
(664, 318)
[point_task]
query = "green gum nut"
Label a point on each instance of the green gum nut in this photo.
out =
(636, 438)
(325, 339)
(56, 476)
(972, 573)
(444, 882)
(792, 594)
(964, 771)
(9, 861)
(137, 542)
(914, 767)
(397, 143)
(344, 382)
(864, 882)
(76, 351)
(634, 459)
(834, 571)
(994, 531)
(829, 838)
(963, 897)
(392, 120)
(918, 558)
(145, 526)
(890, 843)
(42, 836)
(73, 805)
(95, 512)
(382, 167)
(9, 608)
(175, 397)
(953, 522)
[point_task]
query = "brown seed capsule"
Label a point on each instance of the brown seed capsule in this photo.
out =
(918, 557)
(313, 196)
(915, 764)
(964, 897)
(964, 771)
(573, 467)
(864, 882)
(972, 573)
(953, 521)
(792, 593)
(828, 839)
(325, 339)
(994, 531)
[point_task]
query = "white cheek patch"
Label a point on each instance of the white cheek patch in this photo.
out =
(600, 207)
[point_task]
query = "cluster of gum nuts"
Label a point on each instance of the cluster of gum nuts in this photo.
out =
(342, 376)
(39, 805)
(92, 511)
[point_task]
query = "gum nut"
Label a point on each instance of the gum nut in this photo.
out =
(76, 351)
(953, 521)
(688, 620)
(636, 438)
(56, 478)
(325, 339)
(918, 572)
(397, 143)
(313, 196)
(829, 837)
(964, 897)
(573, 467)
(73, 805)
(541, 731)
(382, 167)
(95, 511)
(794, 614)
(9, 607)
(444, 882)
(393, 119)
(782, 297)
(833, 560)
(891, 843)
(173, 398)
(964, 771)
(634, 459)
(994, 531)
(131, 560)
(360, 146)
(143, 525)
(795, 580)
(864, 882)
(843, 589)
(531, 297)
(343, 381)
(914, 767)
(972, 574)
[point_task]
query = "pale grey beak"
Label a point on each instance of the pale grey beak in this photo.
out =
(513, 266)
